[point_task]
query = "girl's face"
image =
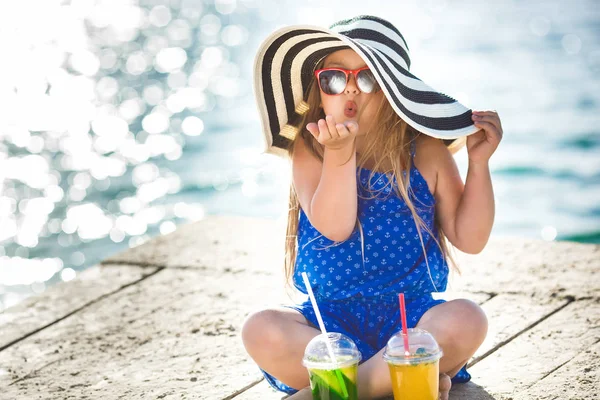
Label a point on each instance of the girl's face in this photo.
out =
(352, 104)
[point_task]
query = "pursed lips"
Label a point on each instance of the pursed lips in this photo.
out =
(350, 109)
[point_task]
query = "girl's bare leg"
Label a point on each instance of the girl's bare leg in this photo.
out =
(276, 339)
(459, 327)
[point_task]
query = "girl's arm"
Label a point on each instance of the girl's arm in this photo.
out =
(327, 191)
(466, 212)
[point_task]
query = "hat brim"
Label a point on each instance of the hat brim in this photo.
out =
(283, 70)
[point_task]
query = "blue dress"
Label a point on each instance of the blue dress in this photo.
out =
(356, 282)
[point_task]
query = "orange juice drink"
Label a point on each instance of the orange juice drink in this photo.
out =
(414, 371)
(415, 381)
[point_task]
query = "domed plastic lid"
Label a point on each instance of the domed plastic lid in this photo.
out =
(421, 344)
(316, 355)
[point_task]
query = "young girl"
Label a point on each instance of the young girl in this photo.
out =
(375, 195)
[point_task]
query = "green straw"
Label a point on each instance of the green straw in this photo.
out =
(324, 331)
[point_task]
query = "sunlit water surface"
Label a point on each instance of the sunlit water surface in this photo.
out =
(120, 120)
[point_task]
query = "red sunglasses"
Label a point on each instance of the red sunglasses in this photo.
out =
(333, 81)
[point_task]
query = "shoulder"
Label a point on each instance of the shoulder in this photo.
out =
(432, 157)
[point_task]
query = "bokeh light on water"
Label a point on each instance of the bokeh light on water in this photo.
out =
(121, 119)
(98, 99)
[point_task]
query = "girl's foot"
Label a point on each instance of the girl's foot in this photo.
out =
(445, 385)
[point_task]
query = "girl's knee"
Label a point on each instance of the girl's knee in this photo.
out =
(263, 330)
(470, 325)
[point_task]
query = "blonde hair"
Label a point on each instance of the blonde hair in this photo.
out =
(389, 144)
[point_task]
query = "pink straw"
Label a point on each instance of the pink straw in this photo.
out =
(404, 326)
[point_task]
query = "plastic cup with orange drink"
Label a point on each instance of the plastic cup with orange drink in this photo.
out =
(414, 373)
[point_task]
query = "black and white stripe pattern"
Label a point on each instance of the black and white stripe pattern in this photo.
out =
(286, 60)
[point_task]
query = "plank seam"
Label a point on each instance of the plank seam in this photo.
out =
(242, 390)
(144, 264)
(554, 369)
(569, 300)
(34, 372)
(491, 294)
(79, 309)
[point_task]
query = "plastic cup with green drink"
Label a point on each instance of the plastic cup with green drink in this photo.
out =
(332, 379)
(331, 359)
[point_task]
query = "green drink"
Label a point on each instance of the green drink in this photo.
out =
(332, 379)
(326, 384)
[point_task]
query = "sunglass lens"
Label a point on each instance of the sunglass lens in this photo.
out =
(332, 82)
(366, 81)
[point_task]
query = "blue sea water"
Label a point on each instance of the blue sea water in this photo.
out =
(120, 121)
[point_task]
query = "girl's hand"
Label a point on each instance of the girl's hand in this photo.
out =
(482, 144)
(331, 135)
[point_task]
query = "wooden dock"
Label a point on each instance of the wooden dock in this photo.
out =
(162, 320)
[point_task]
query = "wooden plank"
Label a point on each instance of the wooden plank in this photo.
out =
(217, 241)
(176, 334)
(539, 351)
(173, 334)
(62, 299)
(577, 379)
(510, 314)
(519, 265)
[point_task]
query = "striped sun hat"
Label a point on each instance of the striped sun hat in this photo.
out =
(284, 65)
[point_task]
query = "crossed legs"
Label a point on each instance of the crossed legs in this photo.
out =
(276, 339)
